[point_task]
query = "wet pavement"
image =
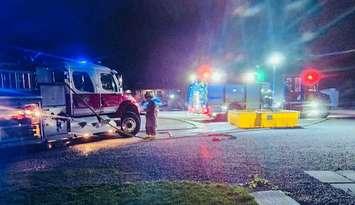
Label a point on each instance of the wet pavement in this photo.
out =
(280, 155)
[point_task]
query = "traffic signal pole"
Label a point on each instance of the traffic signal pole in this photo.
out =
(273, 83)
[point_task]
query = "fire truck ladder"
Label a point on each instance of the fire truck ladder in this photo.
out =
(16, 80)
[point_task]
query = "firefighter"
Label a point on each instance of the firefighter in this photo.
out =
(151, 109)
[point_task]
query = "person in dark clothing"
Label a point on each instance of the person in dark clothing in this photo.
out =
(151, 109)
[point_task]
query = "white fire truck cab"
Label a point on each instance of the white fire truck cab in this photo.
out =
(75, 100)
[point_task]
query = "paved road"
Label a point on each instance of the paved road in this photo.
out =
(280, 156)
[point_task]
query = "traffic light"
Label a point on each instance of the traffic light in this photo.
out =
(311, 76)
(260, 75)
(204, 72)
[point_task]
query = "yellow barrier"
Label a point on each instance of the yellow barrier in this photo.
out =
(264, 119)
(280, 119)
(242, 119)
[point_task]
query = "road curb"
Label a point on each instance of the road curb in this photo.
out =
(273, 198)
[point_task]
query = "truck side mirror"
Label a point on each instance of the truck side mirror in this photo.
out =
(120, 80)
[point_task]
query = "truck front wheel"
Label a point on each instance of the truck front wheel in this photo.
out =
(130, 123)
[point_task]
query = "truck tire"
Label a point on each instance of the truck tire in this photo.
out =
(130, 123)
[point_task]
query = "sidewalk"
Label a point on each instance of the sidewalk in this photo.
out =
(342, 113)
(179, 124)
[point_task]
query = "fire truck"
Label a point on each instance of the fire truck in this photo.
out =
(216, 99)
(63, 100)
(302, 94)
(197, 97)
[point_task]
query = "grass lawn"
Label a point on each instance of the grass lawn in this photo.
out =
(57, 187)
(161, 192)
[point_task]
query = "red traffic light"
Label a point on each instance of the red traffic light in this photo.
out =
(310, 76)
(204, 72)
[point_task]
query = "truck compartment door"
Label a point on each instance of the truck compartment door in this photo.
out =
(54, 111)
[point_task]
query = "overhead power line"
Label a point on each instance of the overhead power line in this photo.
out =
(333, 53)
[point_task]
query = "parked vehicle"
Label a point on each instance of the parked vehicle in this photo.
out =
(197, 97)
(305, 98)
(64, 100)
(216, 99)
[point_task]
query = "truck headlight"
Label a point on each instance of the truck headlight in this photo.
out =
(314, 104)
(277, 105)
(224, 108)
(313, 113)
(315, 108)
(172, 96)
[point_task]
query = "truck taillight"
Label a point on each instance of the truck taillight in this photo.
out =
(191, 109)
(18, 115)
(205, 110)
(32, 111)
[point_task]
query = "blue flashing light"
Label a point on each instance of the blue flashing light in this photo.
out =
(83, 62)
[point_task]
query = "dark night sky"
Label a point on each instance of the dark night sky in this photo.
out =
(155, 43)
